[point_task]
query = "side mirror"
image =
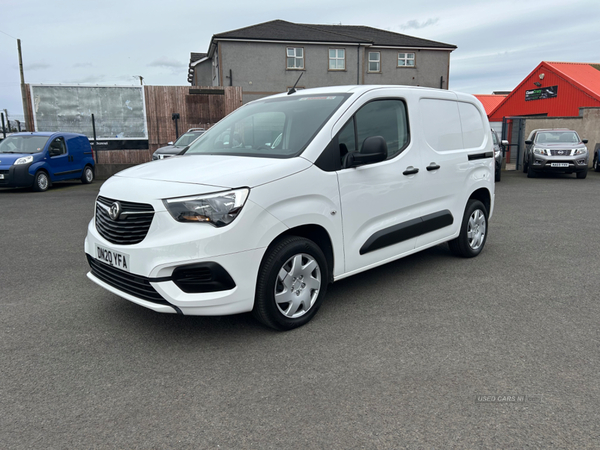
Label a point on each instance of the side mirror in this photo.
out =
(504, 142)
(170, 143)
(374, 149)
(585, 141)
(528, 142)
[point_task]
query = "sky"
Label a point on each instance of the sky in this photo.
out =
(114, 42)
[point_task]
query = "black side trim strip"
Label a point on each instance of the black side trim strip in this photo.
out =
(481, 155)
(67, 172)
(407, 230)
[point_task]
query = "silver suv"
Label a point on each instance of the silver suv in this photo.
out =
(555, 150)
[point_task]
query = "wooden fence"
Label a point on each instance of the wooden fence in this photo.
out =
(198, 107)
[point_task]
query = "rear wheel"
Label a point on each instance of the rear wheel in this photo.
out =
(473, 231)
(41, 181)
(88, 175)
(291, 284)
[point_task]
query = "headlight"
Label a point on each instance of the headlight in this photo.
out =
(218, 209)
(496, 153)
(539, 151)
(24, 160)
(579, 151)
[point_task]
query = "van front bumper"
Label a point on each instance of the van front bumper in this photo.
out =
(190, 269)
(16, 176)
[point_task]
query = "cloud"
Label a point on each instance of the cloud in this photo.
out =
(166, 62)
(89, 79)
(83, 65)
(36, 66)
(416, 25)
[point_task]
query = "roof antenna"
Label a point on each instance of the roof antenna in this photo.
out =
(293, 89)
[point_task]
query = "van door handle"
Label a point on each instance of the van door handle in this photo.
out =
(410, 170)
(433, 166)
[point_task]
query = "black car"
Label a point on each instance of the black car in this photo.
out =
(499, 147)
(596, 163)
(175, 148)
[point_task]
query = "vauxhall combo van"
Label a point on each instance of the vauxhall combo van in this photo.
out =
(292, 192)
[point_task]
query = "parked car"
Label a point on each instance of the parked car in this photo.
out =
(556, 150)
(596, 163)
(499, 147)
(175, 148)
(39, 159)
(312, 188)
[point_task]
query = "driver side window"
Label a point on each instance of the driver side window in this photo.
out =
(57, 147)
(386, 118)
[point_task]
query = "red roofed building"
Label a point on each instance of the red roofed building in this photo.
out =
(490, 102)
(553, 89)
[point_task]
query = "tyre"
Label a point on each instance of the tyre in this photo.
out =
(525, 166)
(41, 181)
(88, 175)
(291, 285)
(596, 165)
(530, 172)
(581, 175)
(498, 175)
(473, 231)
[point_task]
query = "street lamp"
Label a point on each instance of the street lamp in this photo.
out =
(140, 77)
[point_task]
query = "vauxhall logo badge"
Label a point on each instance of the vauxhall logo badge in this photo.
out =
(114, 211)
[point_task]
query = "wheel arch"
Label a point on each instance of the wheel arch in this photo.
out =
(484, 196)
(315, 233)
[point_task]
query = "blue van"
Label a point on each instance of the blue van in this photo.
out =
(39, 159)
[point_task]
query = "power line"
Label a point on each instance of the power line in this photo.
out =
(7, 34)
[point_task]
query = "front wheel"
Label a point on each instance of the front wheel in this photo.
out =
(88, 175)
(473, 231)
(291, 285)
(41, 181)
(581, 175)
(596, 165)
(530, 172)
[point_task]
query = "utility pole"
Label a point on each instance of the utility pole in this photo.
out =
(23, 93)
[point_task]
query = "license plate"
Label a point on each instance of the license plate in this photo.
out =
(113, 258)
(559, 164)
(1, 176)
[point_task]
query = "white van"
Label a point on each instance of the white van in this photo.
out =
(292, 192)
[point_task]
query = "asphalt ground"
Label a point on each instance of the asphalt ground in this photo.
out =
(432, 351)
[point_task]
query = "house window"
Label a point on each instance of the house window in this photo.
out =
(295, 58)
(374, 62)
(406, 60)
(337, 59)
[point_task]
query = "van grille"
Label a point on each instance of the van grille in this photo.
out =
(129, 283)
(131, 227)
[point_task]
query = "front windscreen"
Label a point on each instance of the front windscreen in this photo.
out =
(186, 139)
(276, 128)
(557, 137)
(23, 144)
